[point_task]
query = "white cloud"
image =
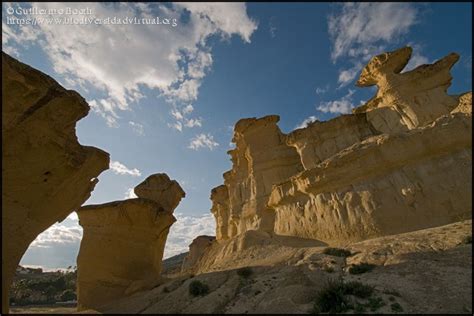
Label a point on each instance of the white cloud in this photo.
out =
(73, 216)
(137, 128)
(185, 229)
(172, 60)
(341, 106)
(193, 123)
(188, 109)
(58, 234)
(322, 90)
(416, 60)
(176, 125)
(121, 169)
(203, 141)
(182, 120)
(307, 121)
(130, 194)
(348, 75)
(359, 28)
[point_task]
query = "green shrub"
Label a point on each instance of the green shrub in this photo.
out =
(358, 289)
(396, 308)
(68, 295)
(375, 303)
(361, 268)
(245, 272)
(337, 252)
(197, 288)
(331, 298)
(467, 240)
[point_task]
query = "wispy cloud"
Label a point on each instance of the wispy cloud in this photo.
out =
(203, 141)
(121, 169)
(359, 31)
(343, 105)
(306, 122)
(182, 119)
(322, 90)
(137, 128)
(174, 68)
(348, 75)
(185, 229)
(359, 27)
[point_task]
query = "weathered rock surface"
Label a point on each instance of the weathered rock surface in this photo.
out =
(159, 188)
(196, 250)
(123, 242)
(260, 159)
(401, 162)
(427, 271)
(46, 173)
(406, 100)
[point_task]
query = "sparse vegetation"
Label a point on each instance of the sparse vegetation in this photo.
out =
(197, 288)
(333, 297)
(337, 252)
(361, 268)
(396, 308)
(245, 272)
(375, 303)
(38, 287)
(358, 289)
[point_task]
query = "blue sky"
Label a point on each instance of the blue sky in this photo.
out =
(165, 98)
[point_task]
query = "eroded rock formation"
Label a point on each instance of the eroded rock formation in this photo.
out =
(46, 173)
(406, 100)
(401, 162)
(123, 242)
(260, 159)
(196, 249)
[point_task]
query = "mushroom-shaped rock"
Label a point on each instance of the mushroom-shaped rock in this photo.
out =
(123, 243)
(46, 173)
(159, 188)
(410, 99)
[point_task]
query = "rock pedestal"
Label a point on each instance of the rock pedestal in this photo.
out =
(122, 247)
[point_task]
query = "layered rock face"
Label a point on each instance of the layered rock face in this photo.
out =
(401, 162)
(46, 173)
(123, 242)
(260, 159)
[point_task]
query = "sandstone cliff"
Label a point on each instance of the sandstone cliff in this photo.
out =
(400, 162)
(46, 173)
(123, 242)
(260, 159)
